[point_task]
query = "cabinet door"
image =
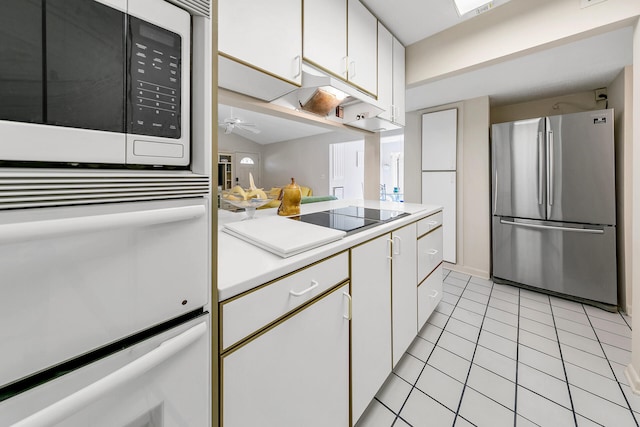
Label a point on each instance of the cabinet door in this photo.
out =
(362, 47)
(264, 35)
(439, 139)
(429, 295)
(398, 83)
(385, 72)
(371, 324)
(295, 374)
(439, 188)
(404, 297)
(325, 35)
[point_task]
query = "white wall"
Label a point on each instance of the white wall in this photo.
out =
(571, 103)
(473, 172)
(515, 28)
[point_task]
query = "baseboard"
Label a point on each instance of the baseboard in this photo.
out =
(467, 270)
(633, 378)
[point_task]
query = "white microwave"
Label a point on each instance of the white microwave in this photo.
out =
(94, 82)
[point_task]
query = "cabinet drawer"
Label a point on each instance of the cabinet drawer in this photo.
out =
(246, 314)
(429, 295)
(429, 223)
(429, 253)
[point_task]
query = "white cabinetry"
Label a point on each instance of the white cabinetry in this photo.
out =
(371, 325)
(391, 77)
(260, 45)
(340, 36)
(294, 374)
(403, 289)
(429, 266)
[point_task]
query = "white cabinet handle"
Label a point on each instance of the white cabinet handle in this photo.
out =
(432, 252)
(314, 285)
(399, 241)
(73, 403)
(352, 73)
(346, 66)
(25, 231)
(298, 60)
(349, 314)
(435, 294)
(432, 223)
(390, 248)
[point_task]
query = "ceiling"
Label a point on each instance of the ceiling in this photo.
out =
(573, 67)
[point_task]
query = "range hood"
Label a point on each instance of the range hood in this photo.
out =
(334, 99)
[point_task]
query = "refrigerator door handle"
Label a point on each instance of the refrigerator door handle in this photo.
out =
(552, 227)
(540, 167)
(495, 195)
(550, 169)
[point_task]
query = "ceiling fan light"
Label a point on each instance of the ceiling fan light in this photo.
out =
(465, 6)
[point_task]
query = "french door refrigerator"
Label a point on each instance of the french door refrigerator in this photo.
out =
(553, 202)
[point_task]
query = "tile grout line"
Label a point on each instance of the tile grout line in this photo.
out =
(633, 416)
(564, 368)
(515, 394)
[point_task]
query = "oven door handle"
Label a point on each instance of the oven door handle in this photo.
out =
(73, 403)
(25, 231)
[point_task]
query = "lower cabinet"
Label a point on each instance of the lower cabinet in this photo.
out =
(429, 270)
(429, 295)
(371, 325)
(294, 374)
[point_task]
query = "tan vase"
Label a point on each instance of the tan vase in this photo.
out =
(290, 197)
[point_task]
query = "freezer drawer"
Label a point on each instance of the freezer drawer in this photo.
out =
(161, 381)
(571, 259)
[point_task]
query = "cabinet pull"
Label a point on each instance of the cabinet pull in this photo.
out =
(298, 60)
(352, 74)
(396, 252)
(435, 294)
(314, 285)
(346, 66)
(390, 248)
(432, 223)
(432, 252)
(349, 314)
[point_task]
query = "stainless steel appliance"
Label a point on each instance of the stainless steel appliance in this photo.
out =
(95, 82)
(553, 201)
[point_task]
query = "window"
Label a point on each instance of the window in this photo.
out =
(246, 161)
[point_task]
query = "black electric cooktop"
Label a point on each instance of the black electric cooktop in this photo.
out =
(351, 219)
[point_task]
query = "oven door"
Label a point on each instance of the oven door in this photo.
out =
(77, 278)
(162, 381)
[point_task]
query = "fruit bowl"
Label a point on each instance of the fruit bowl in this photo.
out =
(249, 205)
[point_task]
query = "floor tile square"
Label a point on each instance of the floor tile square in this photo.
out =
(496, 363)
(503, 305)
(467, 316)
(463, 329)
(560, 312)
(614, 339)
(535, 296)
(461, 276)
(440, 387)
(605, 315)
(585, 360)
(498, 344)
(474, 307)
(542, 411)
(501, 329)
(492, 385)
(586, 422)
(613, 327)
(420, 348)
(575, 327)
(510, 289)
(539, 343)
(480, 281)
(445, 308)
(538, 328)
(545, 385)
(541, 361)
(566, 304)
(409, 368)
(422, 411)
(479, 288)
(450, 298)
(502, 316)
(600, 410)
(536, 315)
(449, 363)
(580, 342)
(430, 332)
(452, 280)
(523, 422)
(453, 290)
(438, 319)
(457, 345)
(505, 296)
(543, 307)
(394, 392)
(483, 411)
(594, 383)
(461, 422)
(376, 415)
(476, 296)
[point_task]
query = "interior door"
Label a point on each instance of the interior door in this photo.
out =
(245, 164)
(581, 168)
(518, 169)
(439, 188)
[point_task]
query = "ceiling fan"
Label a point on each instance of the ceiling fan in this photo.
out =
(231, 123)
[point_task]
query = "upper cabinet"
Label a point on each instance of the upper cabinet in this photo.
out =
(258, 41)
(391, 77)
(340, 37)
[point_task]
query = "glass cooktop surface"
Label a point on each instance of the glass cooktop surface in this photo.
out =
(383, 215)
(350, 219)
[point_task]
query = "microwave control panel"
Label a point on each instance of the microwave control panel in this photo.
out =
(154, 80)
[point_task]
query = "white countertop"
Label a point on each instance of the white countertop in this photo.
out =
(243, 266)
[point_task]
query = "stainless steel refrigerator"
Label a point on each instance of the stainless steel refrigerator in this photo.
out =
(553, 202)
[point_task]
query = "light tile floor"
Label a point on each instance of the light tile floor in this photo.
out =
(496, 355)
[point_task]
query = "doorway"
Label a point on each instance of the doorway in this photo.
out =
(246, 163)
(346, 170)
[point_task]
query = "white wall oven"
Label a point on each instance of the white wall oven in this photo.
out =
(98, 82)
